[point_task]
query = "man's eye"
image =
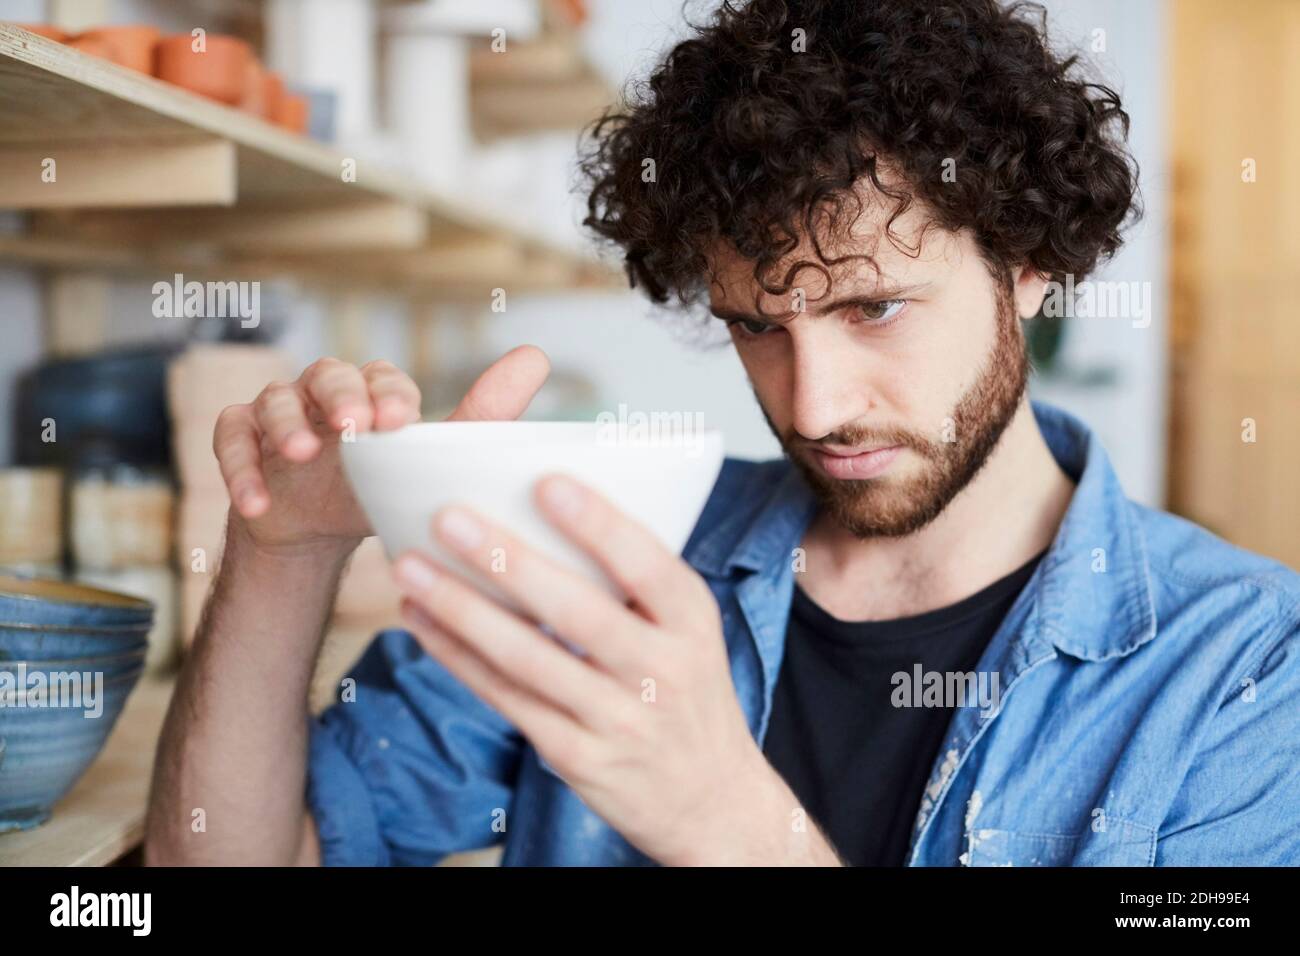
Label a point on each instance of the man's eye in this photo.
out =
(882, 312)
(750, 327)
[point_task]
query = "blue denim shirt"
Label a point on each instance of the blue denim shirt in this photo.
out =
(1149, 710)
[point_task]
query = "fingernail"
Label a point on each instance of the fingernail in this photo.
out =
(563, 495)
(460, 528)
(415, 573)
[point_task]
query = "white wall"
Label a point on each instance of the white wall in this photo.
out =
(1130, 417)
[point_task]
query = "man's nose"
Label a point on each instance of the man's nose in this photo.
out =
(831, 380)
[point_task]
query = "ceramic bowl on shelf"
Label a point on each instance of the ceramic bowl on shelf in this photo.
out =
(50, 744)
(69, 658)
(110, 666)
(402, 478)
(39, 641)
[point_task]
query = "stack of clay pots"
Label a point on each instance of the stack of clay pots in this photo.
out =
(31, 521)
(120, 525)
(219, 67)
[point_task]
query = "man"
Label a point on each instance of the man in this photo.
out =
(935, 633)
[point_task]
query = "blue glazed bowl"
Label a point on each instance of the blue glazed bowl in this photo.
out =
(48, 747)
(107, 666)
(34, 642)
(64, 604)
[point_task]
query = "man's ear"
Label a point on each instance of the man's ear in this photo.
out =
(1029, 287)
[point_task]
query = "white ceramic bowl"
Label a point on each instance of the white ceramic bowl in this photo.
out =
(402, 478)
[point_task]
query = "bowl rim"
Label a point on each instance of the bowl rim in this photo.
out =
(395, 435)
(65, 593)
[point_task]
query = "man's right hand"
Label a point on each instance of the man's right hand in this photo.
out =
(279, 455)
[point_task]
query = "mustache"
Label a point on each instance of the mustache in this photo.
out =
(851, 437)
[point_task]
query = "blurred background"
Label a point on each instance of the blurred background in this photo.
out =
(200, 196)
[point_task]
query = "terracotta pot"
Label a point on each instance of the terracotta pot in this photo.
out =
(292, 112)
(132, 47)
(44, 30)
(219, 72)
(253, 98)
(574, 12)
(272, 93)
(92, 46)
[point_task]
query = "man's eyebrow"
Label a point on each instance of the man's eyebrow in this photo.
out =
(878, 294)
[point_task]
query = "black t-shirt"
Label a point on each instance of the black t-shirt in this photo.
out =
(857, 762)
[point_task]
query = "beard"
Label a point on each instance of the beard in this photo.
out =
(889, 506)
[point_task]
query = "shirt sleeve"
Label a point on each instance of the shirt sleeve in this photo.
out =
(1240, 802)
(408, 765)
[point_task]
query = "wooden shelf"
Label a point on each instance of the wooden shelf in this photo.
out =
(541, 84)
(102, 818)
(211, 178)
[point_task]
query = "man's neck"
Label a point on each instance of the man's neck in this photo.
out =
(1008, 514)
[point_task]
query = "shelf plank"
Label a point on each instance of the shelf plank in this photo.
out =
(373, 224)
(102, 818)
(66, 175)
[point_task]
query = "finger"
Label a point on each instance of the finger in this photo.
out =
(502, 393)
(574, 606)
(282, 418)
(546, 727)
(666, 589)
(394, 397)
(237, 445)
(514, 647)
(339, 390)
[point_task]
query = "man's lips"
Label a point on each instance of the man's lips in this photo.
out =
(851, 465)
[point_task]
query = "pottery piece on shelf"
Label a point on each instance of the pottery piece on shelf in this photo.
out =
(44, 30)
(31, 517)
(92, 46)
(322, 112)
(272, 93)
(131, 46)
(219, 71)
(121, 518)
(292, 112)
(252, 98)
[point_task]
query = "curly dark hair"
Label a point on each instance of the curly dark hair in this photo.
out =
(754, 142)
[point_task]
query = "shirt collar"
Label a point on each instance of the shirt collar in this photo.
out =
(1092, 590)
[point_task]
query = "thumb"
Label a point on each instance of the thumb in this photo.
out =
(504, 391)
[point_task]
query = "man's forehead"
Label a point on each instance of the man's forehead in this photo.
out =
(879, 250)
